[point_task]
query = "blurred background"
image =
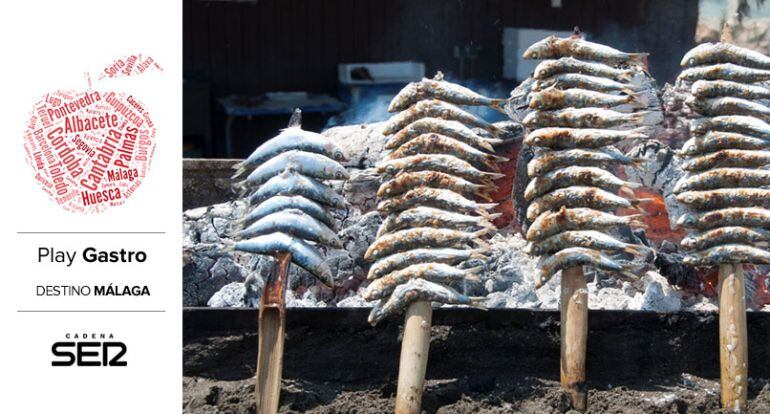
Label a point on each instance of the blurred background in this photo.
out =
(248, 63)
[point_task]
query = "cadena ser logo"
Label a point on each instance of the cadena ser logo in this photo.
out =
(91, 149)
(89, 350)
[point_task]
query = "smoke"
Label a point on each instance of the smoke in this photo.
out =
(370, 104)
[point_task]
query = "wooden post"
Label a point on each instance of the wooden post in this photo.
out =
(272, 325)
(733, 343)
(574, 335)
(414, 358)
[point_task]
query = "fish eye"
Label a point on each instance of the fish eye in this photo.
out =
(338, 175)
(390, 169)
(692, 61)
(689, 220)
(534, 55)
(339, 156)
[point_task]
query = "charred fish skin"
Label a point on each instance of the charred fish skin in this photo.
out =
(451, 129)
(295, 223)
(590, 239)
(727, 158)
(599, 118)
(418, 289)
(578, 256)
(727, 217)
(728, 253)
(566, 219)
(725, 197)
(434, 108)
(553, 98)
(445, 163)
(439, 89)
(292, 183)
(421, 237)
(581, 81)
(549, 68)
(406, 181)
(723, 178)
(577, 196)
(402, 260)
(550, 160)
(715, 141)
(710, 53)
(725, 71)
(424, 216)
(433, 197)
(727, 235)
(439, 144)
(731, 123)
(716, 88)
(728, 106)
(575, 175)
(302, 254)
(306, 163)
(433, 272)
(567, 138)
(556, 47)
(278, 203)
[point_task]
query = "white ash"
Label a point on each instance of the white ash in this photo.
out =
(230, 296)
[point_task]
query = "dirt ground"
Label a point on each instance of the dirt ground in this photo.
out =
(492, 367)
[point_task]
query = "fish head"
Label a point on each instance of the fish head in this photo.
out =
(694, 56)
(686, 198)
(536, 100)
(686, 220)
(336, 152)
(540, 49)
(531, 120)
(688, 243)
(535, 250)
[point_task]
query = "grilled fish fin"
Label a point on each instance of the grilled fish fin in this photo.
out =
(637, 250)
(478, 303)
(637, 58)
(239, 168)
(296, 119)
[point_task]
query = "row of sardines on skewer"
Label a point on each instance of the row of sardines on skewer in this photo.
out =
(435, 196)
(286, 187)
(727, 156)
(583, 101)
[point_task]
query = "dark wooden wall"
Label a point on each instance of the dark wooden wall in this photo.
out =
(272, 45)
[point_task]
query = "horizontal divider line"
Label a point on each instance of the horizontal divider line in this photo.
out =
(90, 311)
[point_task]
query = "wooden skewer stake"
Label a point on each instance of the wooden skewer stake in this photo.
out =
(272, 325)
(574, 335)
(414, 358)
(733, 342)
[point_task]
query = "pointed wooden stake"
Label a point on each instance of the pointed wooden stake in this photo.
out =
(574, 335)
(414, 358)
(733, 342)
(272, 325)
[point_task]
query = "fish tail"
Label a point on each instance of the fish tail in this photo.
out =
(494, 175)
(239, 168)
(636, 249)
(481, 244)
(626, 191)
(487, 144)
(498, 104)
(478, 254)
(627, 75)
(640, 99)
(640, 117)
(636, 220)
(486, 206)
(242, 188)
(483, 194)
(493, 216)
(631, 185)
(499, 158)
(637, 58)
(296, 119)
(472, 273)
(477, 302)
